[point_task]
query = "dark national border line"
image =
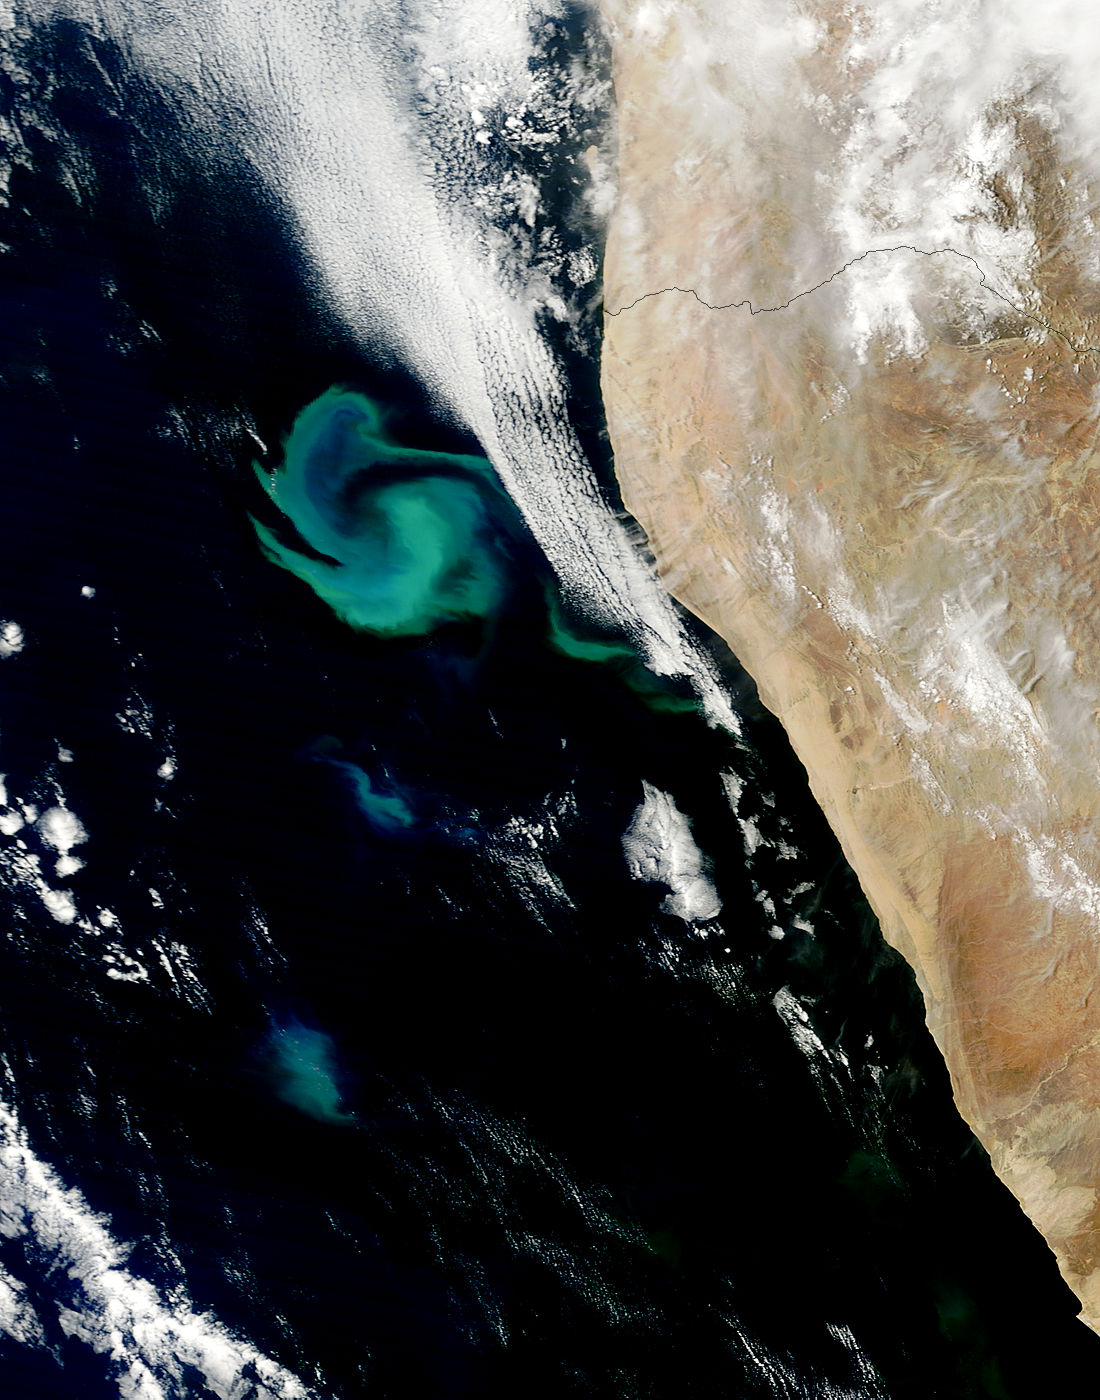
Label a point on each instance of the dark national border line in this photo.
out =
(870, 253)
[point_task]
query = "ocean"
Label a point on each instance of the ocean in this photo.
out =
(460, 1001)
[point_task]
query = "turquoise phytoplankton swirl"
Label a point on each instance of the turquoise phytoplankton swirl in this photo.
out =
(403, 540)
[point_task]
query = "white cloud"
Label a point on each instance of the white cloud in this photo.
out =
(11, 639)
(660, 849)
(61, 829)
(325, 102)
(17, 1315)
(148, 1341)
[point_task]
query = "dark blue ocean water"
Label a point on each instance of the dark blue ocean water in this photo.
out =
(572, 1145)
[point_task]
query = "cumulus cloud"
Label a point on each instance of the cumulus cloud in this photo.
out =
(150, 1344)
(660, 849)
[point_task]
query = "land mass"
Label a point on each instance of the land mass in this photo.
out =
(886, 499)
